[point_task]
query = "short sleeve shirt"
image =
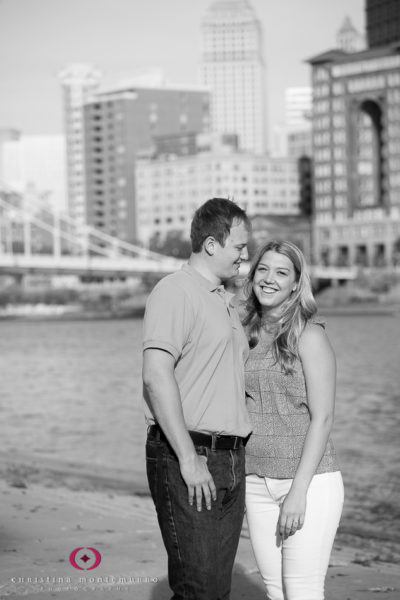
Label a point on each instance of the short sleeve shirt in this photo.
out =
(195, 321)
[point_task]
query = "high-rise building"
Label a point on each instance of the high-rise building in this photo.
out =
(356, 141)
(348, 38)
(78, 82)
(232, 66)
(383, 22)
(121, 122)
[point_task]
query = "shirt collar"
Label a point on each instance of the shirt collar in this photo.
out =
(209, 285)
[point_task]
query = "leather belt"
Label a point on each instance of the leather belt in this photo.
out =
(209, 440)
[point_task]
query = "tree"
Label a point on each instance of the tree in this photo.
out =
(174, 244)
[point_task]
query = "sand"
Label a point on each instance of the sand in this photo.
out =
(42, 525)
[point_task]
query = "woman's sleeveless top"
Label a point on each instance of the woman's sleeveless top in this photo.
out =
(277, 404)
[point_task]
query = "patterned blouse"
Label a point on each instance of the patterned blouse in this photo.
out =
(280, 416)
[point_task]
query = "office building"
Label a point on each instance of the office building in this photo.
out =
(78, 82)
(232, 66)
(356, 141)
(169, 189)
(119, 123)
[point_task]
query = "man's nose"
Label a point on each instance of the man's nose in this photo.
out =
(244, 255)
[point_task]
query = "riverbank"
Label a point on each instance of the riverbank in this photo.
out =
(78, 312)
(41, 527)
(371, 539)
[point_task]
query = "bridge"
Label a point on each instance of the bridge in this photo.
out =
(34, 239)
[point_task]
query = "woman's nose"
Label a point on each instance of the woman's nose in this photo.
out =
(269, 277)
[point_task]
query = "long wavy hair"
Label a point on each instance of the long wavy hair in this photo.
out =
(296, 311)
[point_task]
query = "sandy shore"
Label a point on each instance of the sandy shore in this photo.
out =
(41, 526)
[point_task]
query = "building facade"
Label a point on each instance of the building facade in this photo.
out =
(232, 67)
(120, 123)
(78, 82)
(356, 150)
(170, 189)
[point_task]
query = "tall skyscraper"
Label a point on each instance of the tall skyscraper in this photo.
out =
(78, 82)
(233, 68)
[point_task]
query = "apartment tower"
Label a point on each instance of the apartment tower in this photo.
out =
(78, 82)
(122, 123)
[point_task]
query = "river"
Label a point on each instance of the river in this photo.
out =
(71, 405)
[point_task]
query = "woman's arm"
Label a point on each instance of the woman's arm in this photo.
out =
(319, 366)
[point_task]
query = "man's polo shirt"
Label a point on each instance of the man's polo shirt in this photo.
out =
(193, 319)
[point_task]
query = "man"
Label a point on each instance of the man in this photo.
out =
(194, 352)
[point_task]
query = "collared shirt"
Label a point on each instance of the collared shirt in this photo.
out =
(195, 321)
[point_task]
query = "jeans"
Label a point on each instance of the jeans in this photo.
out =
(201, 546)
(294, 568)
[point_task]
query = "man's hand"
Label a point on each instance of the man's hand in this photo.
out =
(199, 481)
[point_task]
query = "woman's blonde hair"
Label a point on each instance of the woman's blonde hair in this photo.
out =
(296, 311)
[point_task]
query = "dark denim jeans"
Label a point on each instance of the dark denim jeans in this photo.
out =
(201, 546)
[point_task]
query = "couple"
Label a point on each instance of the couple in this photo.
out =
(207, 453)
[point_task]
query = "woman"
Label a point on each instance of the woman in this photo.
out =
(294, 494)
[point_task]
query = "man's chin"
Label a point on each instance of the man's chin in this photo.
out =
(234, 273)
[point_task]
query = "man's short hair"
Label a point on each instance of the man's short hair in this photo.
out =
(215, 218)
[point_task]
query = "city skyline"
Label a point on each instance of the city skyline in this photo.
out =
(121, 38)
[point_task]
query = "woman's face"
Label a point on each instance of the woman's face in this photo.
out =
(274, 280)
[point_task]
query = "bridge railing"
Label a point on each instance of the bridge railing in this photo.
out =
(36, 230)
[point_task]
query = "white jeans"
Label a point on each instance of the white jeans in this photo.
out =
(295, 568)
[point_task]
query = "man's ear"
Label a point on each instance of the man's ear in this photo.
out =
(209, 245)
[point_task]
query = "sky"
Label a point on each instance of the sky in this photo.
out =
(122, 37)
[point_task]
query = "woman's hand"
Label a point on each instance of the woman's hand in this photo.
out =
(292, 513)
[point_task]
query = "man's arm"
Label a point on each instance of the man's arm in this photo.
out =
(162, 395)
